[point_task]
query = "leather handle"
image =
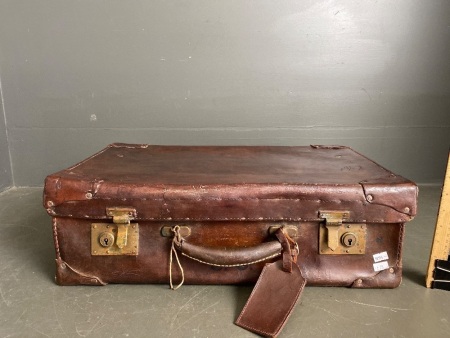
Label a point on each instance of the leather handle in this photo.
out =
(229, 257)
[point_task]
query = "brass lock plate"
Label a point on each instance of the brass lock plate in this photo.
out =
(104, 240)
(351, 239)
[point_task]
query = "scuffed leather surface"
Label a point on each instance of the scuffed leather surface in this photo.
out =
(230, 183)
(152, 263)
(390, 278)
(229, 197)
(384, 195)
(66, 275)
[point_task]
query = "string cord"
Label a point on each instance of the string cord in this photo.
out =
(176, 241)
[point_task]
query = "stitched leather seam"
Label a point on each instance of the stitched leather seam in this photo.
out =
(233, 265)
(55, 238)
(228, 199)
(399, 246)
(205, 219)
(227, 219)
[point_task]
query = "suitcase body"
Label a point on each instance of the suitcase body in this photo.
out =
(116, 215)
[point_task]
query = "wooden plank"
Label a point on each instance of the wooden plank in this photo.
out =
(441, 241)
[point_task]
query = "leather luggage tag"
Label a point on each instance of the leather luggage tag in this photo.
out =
(272, 300)
(275, 294)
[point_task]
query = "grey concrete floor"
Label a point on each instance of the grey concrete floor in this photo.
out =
(32, 305)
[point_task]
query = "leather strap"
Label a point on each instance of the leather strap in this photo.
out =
(290, 250)
(275, 294)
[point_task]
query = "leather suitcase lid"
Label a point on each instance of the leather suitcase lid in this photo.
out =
(226, 183)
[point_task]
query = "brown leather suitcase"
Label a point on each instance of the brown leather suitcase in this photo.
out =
(218, 215)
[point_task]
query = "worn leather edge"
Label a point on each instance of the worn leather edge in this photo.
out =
(77, 189)
(402, 199)
(386, 279)
(329, 147)
(129, 145)
(179, 210)
(66, 275)
(49, 198)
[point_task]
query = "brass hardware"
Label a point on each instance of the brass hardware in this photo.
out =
(106, 239)
(348, 239)
(352, 240)
(166, 231)
(122, 235)
(100, 231)
(121, 217)
(118, 238)
(290, 229)
(335, 237)
(334, 216)
(333, 220)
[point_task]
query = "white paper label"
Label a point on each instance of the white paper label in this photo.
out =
(380, 266)
(382, 256)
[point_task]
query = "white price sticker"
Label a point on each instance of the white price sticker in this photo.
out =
(380, 266)
(382, 256)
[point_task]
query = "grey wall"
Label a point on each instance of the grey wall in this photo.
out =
(373, 75)
(6, 180)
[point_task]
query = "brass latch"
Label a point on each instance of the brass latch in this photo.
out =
(337, 237)
(118, 238)
(333, 221)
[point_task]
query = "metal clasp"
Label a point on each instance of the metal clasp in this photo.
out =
(121, 217)
(339, 238)
(119, 238)
(333, 220)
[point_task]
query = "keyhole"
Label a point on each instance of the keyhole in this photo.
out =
(106, 239)
(348, 239)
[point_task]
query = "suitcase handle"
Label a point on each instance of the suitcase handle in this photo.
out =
(230, 257)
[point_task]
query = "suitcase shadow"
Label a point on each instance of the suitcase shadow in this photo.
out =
(415, 276)
(45, 262)
(241, 295)
(28, 241)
